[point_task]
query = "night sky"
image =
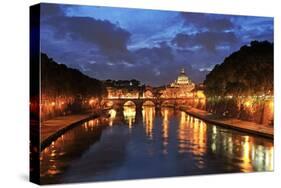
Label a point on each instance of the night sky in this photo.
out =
(147, 45)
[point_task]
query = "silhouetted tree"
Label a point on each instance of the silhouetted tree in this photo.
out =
(248, 71)
(58, 79)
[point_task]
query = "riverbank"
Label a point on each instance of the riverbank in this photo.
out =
(50, 130)
(240, 125)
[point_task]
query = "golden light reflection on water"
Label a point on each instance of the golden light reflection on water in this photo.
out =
(251, 154)
(49, 155)
(208, 145)
(192, 137)
(129, 113)
(246, 155)
(52, 158)
(112, 114)
(148, 115)
(166, 114)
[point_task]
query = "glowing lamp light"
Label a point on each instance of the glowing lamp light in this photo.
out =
(53, 103)
(91, 102)
(247, 103)
(230, 96)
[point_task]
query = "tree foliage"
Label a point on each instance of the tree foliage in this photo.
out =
(246, 72)
(58, 79)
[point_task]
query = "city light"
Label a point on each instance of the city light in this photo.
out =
(248, 103)
(91, 102)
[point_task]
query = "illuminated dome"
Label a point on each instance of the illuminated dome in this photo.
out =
(182, 78)
(181, 88)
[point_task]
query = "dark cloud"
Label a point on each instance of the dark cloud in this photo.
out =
(205, 21)
(155, 66)
(50, 10)
(209, 40)
(182, 40)
(157, 55)
(162, 64)
(109, 38)
(258, 34)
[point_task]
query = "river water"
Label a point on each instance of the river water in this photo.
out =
(151, 143)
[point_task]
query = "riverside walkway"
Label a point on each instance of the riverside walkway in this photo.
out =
(240, 125)
(52, 129)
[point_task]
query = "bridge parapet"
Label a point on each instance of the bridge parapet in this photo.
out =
(158, 102)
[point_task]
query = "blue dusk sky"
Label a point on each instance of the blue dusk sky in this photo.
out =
(147, 45)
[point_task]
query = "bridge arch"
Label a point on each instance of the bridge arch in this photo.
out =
(129, 103)
(148, 103)
(168, 103)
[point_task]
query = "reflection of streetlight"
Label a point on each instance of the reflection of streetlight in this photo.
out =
(246, 149)
(112, 113)
(148, 118)
(91, 102)
(129, 114)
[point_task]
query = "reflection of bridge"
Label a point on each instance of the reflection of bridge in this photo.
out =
(139, 102)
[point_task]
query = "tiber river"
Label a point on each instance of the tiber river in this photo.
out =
(151, 143)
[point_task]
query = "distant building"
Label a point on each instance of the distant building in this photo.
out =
(182, 80)
(182, 87)
(123, 88)
(119, 93)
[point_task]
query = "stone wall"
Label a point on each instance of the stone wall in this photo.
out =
(52, 107)
(258, 110)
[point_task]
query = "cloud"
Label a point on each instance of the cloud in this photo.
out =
(107, 37)
(207, 22)
(156, 55)
(50, 10)
(182, 40)
(208, 40)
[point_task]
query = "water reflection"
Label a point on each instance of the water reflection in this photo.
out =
(250, 152)
(166, 115)
(162, 143)
(56, 158)
(129, 115)
(192, 137)
(148, 115)
(112, 115)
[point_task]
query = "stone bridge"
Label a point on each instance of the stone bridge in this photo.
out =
(139, 102)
